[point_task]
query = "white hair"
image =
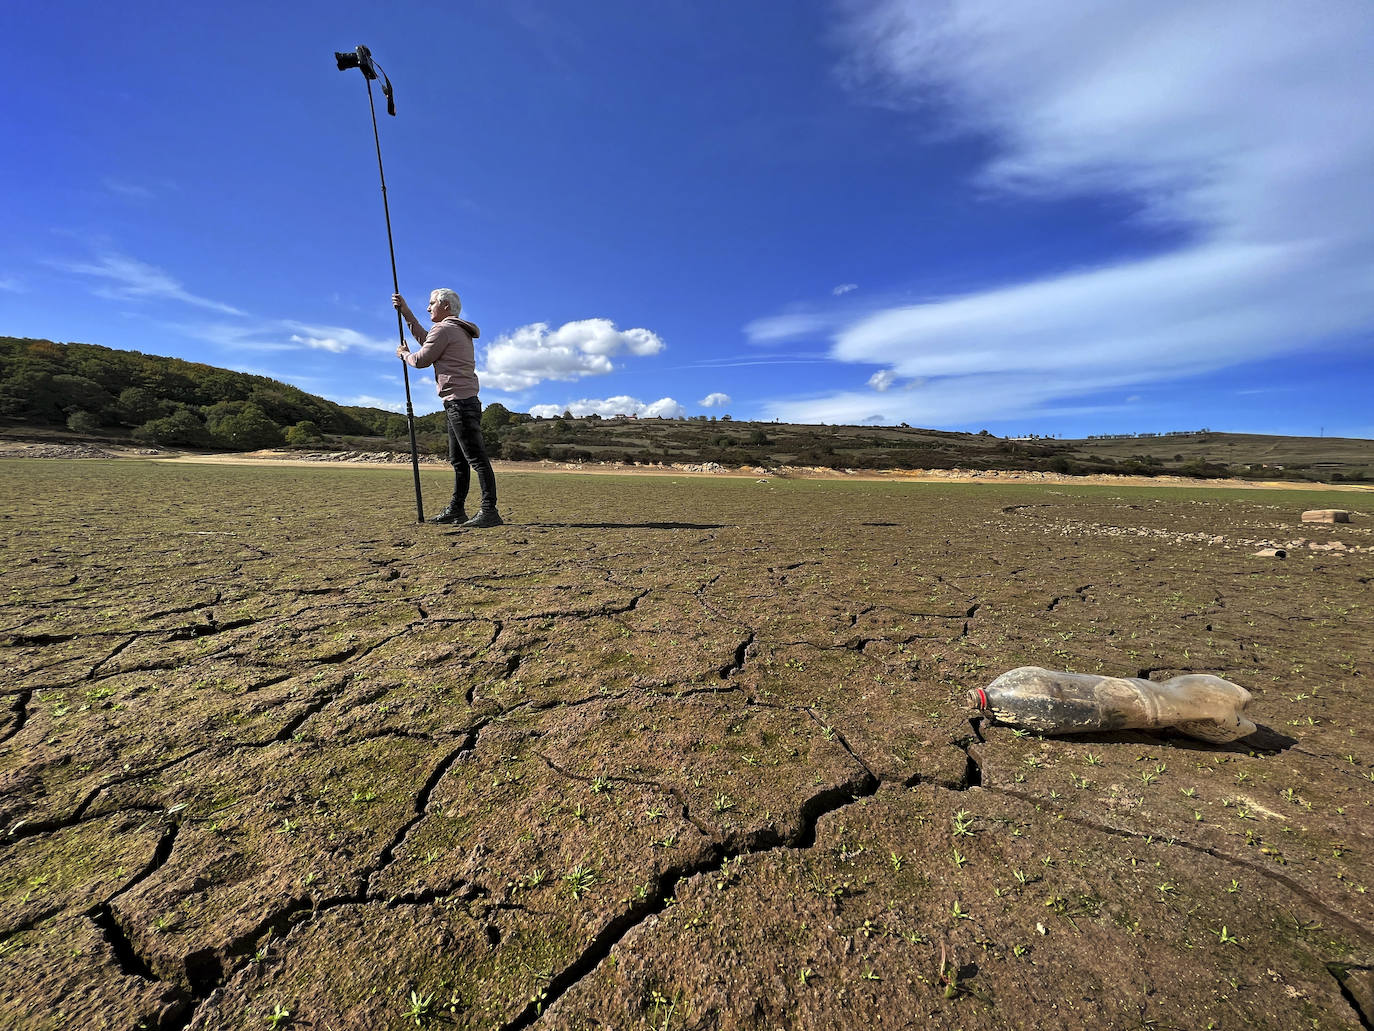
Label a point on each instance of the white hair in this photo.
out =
(455, 304)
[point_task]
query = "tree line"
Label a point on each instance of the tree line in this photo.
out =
(91, 389)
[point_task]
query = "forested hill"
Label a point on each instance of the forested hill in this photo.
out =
(93, 390)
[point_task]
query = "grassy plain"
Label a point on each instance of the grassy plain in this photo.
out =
(668, 753)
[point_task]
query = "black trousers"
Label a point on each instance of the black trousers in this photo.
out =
(466, 451)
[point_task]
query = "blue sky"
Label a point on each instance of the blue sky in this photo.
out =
(1042, 217)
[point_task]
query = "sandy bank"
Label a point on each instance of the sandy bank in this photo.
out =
(299, 459)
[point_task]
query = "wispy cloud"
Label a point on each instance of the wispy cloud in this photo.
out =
(281, 335)
(123, 278)
(368, 401)
(936, 402)
(844, 288)
(535, 353)
(11, 284)
(1246, 126)
(793, 326)
(770, 359)
(337, 339)
(129, 191)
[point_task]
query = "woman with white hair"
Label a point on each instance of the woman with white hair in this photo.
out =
(448, 348)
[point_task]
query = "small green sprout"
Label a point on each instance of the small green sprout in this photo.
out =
(421, 1008)
(579, 880)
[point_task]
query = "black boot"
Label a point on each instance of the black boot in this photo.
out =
(455, 513)
(484, 518)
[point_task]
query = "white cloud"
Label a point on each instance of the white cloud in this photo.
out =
(1245, 127)
(664, 407)
(128, 279)
(368, 401)
(715, 400)
(882, 379)
(333, 344)
(844, 288)
(11, 284)
(534, 353)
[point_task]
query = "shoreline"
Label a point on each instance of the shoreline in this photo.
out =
(387, 460)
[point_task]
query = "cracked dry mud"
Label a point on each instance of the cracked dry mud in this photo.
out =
(667, 754)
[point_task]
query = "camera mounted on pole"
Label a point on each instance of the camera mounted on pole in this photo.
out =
(361, 58)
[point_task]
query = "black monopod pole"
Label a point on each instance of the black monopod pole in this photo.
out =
(362, 58)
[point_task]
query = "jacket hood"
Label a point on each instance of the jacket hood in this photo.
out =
(471, 327)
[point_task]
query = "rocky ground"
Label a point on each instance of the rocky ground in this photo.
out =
(668, 753)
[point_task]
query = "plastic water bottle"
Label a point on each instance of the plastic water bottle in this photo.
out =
(1053, 702)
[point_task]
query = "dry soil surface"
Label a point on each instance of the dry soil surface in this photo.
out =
(668, 753)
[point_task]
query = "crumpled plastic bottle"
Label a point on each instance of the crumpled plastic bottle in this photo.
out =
(1054, 702)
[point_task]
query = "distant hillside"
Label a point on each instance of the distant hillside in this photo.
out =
(94, 393)
(97, 391)
(1203, 454)
(1322, 458)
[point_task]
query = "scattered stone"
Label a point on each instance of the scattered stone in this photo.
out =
(1326, 515)
(39, 450)
(703, 467)
(1271, 553)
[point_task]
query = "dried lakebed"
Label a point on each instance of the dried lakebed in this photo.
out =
(668, 754)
